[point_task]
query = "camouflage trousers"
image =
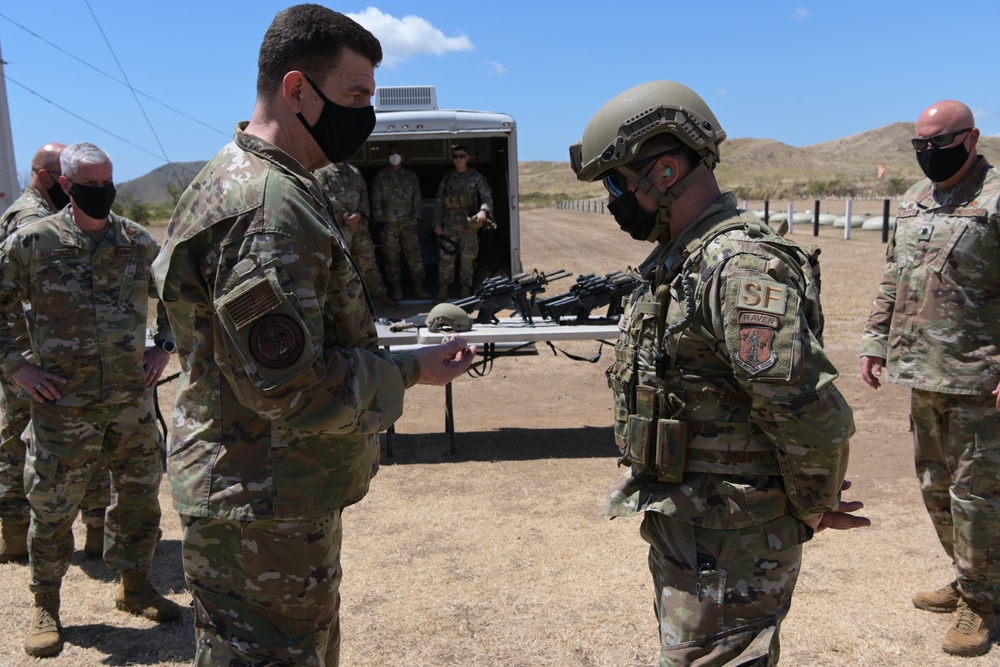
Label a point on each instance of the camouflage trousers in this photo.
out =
(359, 244)
(721, 594)
(456, 227)
(957, 454)
(402, 238)
(67, 446)
(266, 593)
(14, 508)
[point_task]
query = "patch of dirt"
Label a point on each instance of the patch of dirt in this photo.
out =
(497, 555)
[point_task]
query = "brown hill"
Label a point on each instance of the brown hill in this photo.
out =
(754, 168)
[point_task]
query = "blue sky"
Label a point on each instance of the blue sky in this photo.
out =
(798, 73)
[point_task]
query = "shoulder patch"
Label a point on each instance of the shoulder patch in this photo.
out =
(758, 293)
(276, 340)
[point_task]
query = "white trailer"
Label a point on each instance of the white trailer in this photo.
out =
(409, 116)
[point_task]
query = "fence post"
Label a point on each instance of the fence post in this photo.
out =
(847, 227)
(791, 212)
(885, 221)
(766, 204)
(816, 218)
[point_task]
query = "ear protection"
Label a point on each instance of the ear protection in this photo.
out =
(668, 172)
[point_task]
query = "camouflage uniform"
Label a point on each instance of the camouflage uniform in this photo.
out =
(396, 205)
(943, 272)
(733, 431)
(346, 187)
(87, 323)
(459, 196)
(16, 409)
(282, 394)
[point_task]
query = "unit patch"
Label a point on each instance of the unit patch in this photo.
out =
(756, 352)
(276, 341)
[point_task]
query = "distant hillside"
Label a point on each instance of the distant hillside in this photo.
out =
(753, 168)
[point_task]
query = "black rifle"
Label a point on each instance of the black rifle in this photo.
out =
(589, 293)
(500, 293)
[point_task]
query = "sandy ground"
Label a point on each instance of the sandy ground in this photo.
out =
(497, 555)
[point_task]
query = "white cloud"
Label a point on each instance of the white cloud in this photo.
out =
(801, 13)
(497, 68)
(408, 36)
(722, 92)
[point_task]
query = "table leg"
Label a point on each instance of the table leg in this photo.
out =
(449, 417)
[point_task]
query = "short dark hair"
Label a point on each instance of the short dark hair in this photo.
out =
(459, 147)
(309, 38)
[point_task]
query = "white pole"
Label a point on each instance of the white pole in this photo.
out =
(847, 227)
(791, 211)
(9, 190)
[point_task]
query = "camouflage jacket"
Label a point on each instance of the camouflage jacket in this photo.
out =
(463, 194)
(283, 387)
(89, 301)
(936, 315)
(736, 362)
(395, 196)
(30, 206)
(346, 187)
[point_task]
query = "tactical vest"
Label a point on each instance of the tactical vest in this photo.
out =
(458, 194)
(671, 420)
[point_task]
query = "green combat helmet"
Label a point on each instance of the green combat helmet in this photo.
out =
(616, 133)
(447, 317)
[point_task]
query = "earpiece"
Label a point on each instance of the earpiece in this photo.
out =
(668, 172)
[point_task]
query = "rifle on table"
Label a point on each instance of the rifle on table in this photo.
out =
(501, 293)
(589, 293)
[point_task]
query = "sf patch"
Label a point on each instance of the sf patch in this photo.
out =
(276, 341)
(759, 293)
(756, 351)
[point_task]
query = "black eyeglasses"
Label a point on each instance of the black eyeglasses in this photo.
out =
(938, 140)
(615, 181)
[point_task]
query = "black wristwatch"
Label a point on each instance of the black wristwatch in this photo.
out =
(167, 346)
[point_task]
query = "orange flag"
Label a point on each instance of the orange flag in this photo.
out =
(881, 171)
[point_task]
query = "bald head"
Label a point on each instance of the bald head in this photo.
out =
(944, 116)
(47, 157)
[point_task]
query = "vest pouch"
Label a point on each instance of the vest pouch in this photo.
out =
(638, 441)
(672, 439)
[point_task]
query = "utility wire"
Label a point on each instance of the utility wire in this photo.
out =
(121, 69)
(76, 115)
(105, 74)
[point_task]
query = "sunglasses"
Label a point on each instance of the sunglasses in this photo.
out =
(938, 140)
(459, 156)
(615, 181)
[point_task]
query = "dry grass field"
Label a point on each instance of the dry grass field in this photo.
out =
(497, 555)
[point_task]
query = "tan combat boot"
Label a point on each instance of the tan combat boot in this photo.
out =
(442, 292)
(13, 541)
(943, 601)
(397, 290)
(94, 546)
(43, 638)
(971, 634)
(136, 595)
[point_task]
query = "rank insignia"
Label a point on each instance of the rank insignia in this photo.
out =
(276, 341)
(756, 352)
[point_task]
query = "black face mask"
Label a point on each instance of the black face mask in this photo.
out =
(94, 200)
(631, 217)
(339, 131)
(58, 197)
(940, 164)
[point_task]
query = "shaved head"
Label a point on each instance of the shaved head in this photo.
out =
(47, 157)
(944, 116)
